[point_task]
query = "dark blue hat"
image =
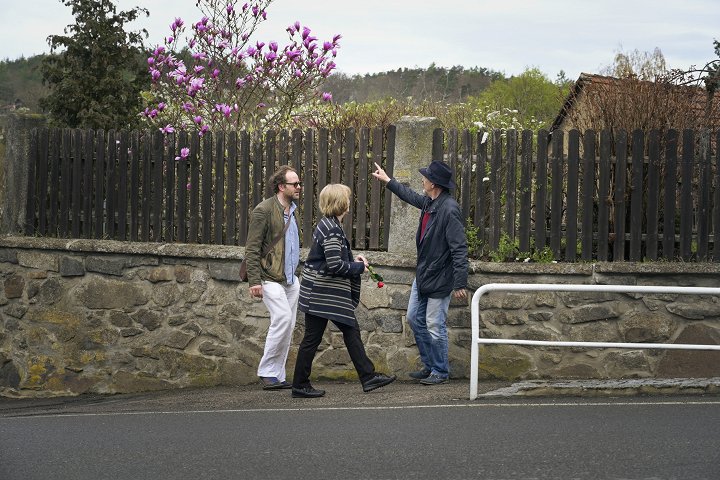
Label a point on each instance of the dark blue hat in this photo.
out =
(439, 173)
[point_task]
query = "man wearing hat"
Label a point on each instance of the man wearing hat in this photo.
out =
(442, 265)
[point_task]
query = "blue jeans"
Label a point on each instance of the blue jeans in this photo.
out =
(427, 318)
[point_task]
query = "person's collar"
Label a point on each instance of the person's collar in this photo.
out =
(435, 203)
(280, 197)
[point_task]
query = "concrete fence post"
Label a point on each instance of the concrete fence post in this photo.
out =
(14, 160)
(413, 150)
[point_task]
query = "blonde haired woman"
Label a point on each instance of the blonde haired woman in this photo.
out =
(330, 290)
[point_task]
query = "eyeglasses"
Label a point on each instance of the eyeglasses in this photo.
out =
(294, 184)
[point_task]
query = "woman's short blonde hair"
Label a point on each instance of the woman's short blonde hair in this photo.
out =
(334, 199)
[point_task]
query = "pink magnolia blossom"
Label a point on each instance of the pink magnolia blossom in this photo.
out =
(181, 69)
(224, 52)
(224, 109)
(195, 85)
(177, 24)
(184, 153)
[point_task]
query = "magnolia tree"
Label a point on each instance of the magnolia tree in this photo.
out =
(223, 80)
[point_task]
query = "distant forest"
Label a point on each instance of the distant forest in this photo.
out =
(451, 85)
(21, 84)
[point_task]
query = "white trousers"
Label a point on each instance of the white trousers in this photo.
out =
(281, 301)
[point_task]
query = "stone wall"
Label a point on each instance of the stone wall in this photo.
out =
(103, 316)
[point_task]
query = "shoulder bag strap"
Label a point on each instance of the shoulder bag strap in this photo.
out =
(279, 236)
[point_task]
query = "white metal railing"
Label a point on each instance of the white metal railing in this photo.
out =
(536, 287)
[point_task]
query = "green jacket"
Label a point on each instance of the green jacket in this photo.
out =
(266, 223)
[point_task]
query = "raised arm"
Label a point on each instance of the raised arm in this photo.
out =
(406, 194)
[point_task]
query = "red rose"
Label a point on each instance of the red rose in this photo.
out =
(381, 284)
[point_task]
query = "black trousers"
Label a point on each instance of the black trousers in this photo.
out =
(314, 329)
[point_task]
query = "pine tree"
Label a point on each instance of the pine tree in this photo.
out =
(95, 71)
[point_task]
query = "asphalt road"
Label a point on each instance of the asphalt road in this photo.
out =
(401, 431)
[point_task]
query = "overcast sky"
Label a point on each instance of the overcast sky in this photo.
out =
(378, 35)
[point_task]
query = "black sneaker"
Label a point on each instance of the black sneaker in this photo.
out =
(434, 379)
(420, 374)
(378, 381)
(307, 392)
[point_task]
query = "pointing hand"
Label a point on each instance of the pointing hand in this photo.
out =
(380, 174)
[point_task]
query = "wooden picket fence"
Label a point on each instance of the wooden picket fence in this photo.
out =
(607, 196)
(131, 185)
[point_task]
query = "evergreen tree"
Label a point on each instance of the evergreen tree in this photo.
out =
(712, 80)
(95, 71)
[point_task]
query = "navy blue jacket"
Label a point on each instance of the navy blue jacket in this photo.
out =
(442, 264)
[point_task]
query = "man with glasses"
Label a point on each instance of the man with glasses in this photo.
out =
(273, 252)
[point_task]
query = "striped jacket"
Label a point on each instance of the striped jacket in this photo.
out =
(330, 285)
